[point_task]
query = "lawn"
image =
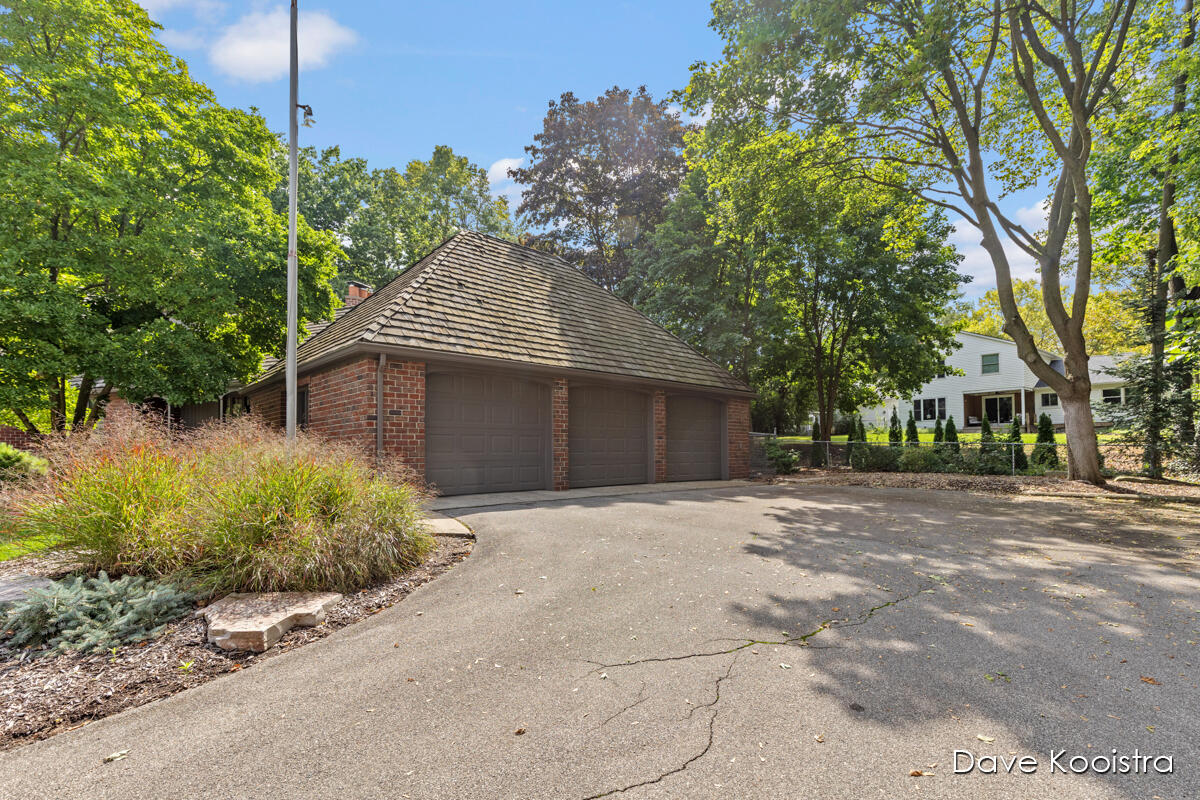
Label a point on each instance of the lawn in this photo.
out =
(881, 435)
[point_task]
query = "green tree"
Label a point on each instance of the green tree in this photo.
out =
(895, 437)
(138, 247)
(599, 176)
(1045, 448)
(857, 279)
(952, 436)
(387, 219)
(912, 436)
(987, 439)
(1017, 445)
(970, 99)
(939, 432)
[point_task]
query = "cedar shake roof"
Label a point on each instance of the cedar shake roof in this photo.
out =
(478, 296)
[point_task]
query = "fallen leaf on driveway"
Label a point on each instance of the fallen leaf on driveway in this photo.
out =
(117, 756)
(519, 732)
(1151, 681)
(785, 666)
(918, 773)
(519, 591)
(988, 739)
(820, 738)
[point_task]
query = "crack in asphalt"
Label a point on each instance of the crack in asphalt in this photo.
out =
(791, 641)
(641, 698)
(711, 707)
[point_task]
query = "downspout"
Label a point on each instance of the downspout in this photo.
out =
(379, 408)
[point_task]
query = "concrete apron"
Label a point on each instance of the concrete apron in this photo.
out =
(462, 501)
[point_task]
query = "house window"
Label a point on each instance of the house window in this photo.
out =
(929, 408)
(1049, 399)
(302, 407)
(1111, 396)
(998, 410)
(991, 363)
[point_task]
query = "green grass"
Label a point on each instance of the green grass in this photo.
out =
(927, 436)
(11, 548)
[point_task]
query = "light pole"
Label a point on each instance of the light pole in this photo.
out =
(292, 268)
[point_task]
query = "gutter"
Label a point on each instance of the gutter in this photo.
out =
(379, 408)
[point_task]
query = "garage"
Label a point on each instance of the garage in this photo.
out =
(486, 433)
(694, 426)
(608, 432)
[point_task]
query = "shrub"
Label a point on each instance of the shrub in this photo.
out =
(951, 436)
(939, 433)
(16, 464)
(1045, 451)
(984, 461)
(781, 459)
(987, 439)
(894, 434)
(230, 508)
(911, 436)
(90, 614)
(1018, 447)
(921, 459)
(875, 458)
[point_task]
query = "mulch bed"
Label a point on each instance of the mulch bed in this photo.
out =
(44, 696)
(1000, 484)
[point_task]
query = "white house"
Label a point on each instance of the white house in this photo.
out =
(994, 382)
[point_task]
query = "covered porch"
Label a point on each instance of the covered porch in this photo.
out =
(1000, 408)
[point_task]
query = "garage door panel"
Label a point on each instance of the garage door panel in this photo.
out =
(486, 433)
(607, 436)
(693, 438)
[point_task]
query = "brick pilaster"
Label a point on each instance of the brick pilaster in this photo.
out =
(660, 436)
(560, 408)
(737, 425)
(404, 413)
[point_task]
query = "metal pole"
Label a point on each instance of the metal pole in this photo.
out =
(292, 268)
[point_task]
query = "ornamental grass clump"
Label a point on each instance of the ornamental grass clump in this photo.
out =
(228, 508)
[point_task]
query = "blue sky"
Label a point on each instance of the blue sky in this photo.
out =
(389, 81)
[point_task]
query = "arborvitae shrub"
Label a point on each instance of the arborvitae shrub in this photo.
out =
(951, 436)
(1018, 447)
(895, 436)
(1045, 451)
(911, 436)
(939, 432)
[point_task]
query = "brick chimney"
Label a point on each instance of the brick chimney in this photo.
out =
(356, 292)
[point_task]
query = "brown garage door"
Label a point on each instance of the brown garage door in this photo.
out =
(607, 437)
(693, 438)
(485, 433)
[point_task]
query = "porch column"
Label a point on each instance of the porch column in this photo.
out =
(560, 408)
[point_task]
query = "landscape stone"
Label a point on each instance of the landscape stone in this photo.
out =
(256, 621)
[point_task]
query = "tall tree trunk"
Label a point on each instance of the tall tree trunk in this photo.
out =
(1156, 313)
(1083, 452)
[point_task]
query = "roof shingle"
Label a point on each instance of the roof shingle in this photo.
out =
(484, 297)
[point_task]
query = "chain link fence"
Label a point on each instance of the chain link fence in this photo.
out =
(770, 456)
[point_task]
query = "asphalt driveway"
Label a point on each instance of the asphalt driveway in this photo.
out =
(744, 642)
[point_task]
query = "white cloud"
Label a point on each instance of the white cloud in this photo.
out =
(1033, 217)
(978, 264)
(501, 184)
(255, 48)
(701, 117)
(181, 40)
(498, 171)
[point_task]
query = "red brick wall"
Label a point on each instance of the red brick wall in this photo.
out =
(17, 437)
(660, 436)
(404, 413)
(737, 425)
(559, 408)
(341, 403)
(268, 404)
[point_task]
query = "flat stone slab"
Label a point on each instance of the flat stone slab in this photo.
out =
(246, 621)
(15, 587)
(440, 525)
